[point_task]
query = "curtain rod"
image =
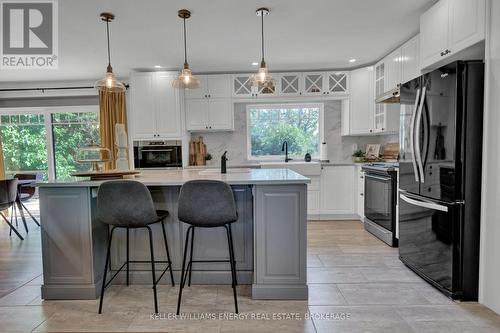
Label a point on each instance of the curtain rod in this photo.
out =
(48, 88)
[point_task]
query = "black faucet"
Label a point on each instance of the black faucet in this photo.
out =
(285, 149)
(223, 159)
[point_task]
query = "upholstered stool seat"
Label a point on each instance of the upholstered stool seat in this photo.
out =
(128, 204)
(206, 204)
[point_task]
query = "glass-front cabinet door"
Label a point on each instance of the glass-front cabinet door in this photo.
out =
(314, 83)
(290, 84)
(337, 83)
(243, 85)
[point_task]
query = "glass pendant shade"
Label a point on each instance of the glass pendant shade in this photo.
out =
(109, 83)
(186, 80)
(263, 78)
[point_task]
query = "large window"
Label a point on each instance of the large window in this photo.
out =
(24, 143)
(268, 126)
(46, 140)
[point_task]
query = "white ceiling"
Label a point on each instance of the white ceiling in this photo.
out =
(224, 35)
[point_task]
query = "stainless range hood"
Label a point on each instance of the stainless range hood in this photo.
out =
(391, 96)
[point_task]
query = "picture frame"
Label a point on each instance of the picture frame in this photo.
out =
(372, 151)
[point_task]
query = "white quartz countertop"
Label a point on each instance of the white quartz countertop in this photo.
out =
(238, 176)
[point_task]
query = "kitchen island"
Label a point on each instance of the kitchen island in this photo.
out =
(269, 236)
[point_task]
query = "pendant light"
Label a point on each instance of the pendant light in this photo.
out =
(109, 83)
(263, 78)
(186, 79)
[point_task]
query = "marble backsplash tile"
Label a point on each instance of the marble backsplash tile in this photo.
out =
(339, 147)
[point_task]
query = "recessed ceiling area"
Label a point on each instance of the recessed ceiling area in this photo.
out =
(224, 35)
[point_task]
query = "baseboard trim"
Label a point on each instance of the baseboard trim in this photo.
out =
(297, 292)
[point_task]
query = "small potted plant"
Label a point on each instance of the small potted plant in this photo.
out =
(358, 156)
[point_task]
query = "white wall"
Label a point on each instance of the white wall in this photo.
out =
(489, 286)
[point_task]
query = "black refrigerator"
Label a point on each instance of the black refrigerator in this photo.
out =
(440, 177)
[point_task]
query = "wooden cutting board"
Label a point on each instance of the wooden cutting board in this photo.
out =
(197, 152)
(391, 152)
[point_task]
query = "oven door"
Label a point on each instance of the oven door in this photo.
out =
(158, 157)
(379, 201)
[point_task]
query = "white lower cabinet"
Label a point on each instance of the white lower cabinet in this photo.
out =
(337, 192)
(313, 198)
(360, 197)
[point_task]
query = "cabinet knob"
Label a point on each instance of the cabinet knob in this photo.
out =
(210, 127)
(371, 131)
(300, 93)
(209, 95)
(383, 129)
(430, 173)
(361, 194)
(328, 92)
(206, 127)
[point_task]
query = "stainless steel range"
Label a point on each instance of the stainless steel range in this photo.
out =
(380, 201)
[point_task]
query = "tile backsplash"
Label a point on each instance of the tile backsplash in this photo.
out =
(339, 147)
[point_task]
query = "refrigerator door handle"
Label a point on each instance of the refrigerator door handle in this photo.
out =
(425, 204)
(418, 121)
(412, 133)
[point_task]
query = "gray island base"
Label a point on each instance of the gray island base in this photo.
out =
(269, 236)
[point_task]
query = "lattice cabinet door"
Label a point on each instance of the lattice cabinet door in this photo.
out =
(290, 84)
(337, 83)
(314, 83)
(268, 88)
(243, 85)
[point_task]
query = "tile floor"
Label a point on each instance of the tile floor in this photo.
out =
(357, 284)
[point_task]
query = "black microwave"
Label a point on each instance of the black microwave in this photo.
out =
(157, 154)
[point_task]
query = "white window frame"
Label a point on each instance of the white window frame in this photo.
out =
(321, 107)
(47, 113)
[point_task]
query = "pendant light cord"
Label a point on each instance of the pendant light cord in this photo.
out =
(185, 43)
(109, 52)
(262, 32)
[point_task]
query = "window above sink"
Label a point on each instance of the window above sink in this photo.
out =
(269, 125)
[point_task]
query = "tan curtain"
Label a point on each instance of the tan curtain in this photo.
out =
(112, 111)
(2, 166)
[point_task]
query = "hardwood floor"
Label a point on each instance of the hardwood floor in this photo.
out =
(357, 284)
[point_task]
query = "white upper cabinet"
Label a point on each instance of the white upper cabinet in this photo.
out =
(449, 27)
(210, 107)
(337, 83)
(154, 106)
(314, 83)
(142, 113)
(467, 23)
(211, 86)
(290, 84)
(410, 59)
(393, 69)
(243, 86)
(168, 121)
(358, 113)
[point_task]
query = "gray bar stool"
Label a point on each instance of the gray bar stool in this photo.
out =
(128, 204)
(206, 204)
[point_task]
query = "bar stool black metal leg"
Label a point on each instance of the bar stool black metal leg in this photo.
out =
(191, 257)
(233, 270)
(21, 212)
(29, 213)
(181, 284)
(128, 253)
(232, 249)
(168, 252)
(12, 228)
(105, 269)
(153, 267)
